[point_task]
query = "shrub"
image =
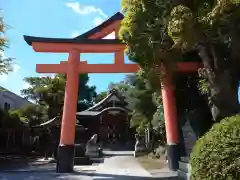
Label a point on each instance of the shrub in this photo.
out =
(216, 155)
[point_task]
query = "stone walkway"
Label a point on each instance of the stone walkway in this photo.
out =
(118, 165)
(113, 168)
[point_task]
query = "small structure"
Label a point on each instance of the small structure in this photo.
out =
(10, 100)
(49, 142)
(109, 119)
(14, 134)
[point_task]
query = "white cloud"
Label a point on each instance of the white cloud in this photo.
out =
(110, 36)
(26, 85)
(97, 21)
(16, 68)
(75, 34)
(2, 54)
(84, 9)
(3, 78)
(52, 76)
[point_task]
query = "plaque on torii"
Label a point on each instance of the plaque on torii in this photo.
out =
(93, 42)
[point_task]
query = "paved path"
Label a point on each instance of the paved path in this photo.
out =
(113, 168)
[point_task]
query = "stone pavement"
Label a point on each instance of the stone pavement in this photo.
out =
(113, 168)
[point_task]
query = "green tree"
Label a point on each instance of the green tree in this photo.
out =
(5, 63)
(86, 93)
(32, 113)
(101, 96)
(49, 93)
(142, 100)
(46, 91)
(158, 32)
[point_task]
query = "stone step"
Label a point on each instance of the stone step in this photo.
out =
(183, 175)
(82, 161)
(185, 159)
(184, 166)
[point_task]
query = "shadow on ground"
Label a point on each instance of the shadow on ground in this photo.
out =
(121, 177)
(73, 176)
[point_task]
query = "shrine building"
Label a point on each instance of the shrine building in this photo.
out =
(109, 118)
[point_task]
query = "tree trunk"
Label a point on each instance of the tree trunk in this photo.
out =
(223, 92)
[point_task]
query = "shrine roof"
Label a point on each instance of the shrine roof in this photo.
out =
(55, 122)
(96, 113)
(108, 97)
(83, 38)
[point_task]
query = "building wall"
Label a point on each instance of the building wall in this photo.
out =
(12, 100)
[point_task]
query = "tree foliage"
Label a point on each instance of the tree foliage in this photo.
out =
(33, 114)
(5, 63)
(48, 94)
(101, 96)
(144, 103)
(8, 120)
(158, 33)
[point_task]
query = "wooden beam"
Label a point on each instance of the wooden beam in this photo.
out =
(108, 68)
(119, 57)
(189, 66)
(51, 68)
(84, 67)
(83, 48)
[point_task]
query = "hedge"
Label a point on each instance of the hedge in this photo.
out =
(10, 121)
(216, 155)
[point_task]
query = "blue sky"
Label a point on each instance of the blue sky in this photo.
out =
(52, 18)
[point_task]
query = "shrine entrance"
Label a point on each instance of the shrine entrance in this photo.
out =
(110, 119)
(114, 128)
(92, 42)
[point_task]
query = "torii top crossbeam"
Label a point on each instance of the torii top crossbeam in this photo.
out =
(89, 42)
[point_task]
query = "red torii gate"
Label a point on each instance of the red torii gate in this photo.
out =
(92, 42)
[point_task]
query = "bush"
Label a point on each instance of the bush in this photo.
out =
(216, 155)
(10, 121)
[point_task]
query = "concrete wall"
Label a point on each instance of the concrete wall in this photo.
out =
(15, 101)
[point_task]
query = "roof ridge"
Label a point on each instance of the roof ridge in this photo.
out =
(7, 90)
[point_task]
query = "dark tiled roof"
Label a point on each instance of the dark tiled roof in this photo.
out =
(54, 122)
(96, 113)
(112, 93)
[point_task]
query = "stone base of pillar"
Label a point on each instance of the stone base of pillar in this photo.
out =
(65, 159)
(173, 156)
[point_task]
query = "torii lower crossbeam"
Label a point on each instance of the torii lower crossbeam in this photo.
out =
(83, 67)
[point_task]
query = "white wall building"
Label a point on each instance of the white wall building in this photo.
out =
(10, 100)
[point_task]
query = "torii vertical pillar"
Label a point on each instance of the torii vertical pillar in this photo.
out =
(65, 161)
(171, 123)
